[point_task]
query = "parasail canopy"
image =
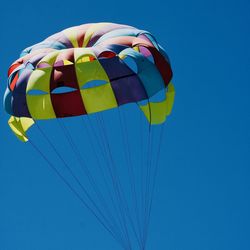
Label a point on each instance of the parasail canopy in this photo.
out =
(87, 69)
(108, 153)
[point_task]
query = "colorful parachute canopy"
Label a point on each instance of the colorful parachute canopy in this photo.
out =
(84, 70)
(90, 68)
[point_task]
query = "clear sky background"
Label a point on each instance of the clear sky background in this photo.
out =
(203, 193)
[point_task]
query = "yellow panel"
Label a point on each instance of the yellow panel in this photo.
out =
(40, 106)
(19, 126)
(89, 71)
(50, 58)
(98, 98)
(71, 34)
(136, 48)
(26, 123)
(82, 52)
(93, 28)
(170, 98)
(85, 59)
(39, 80)
(157, 112)
(66, 62)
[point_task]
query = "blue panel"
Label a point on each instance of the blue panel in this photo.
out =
(115, 68)
(128, 89)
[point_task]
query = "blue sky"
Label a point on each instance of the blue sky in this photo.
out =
(202, 200)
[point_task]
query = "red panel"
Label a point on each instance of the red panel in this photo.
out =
(13, 82)
(68, 104)
(64, 76)
(13, 67)
(162, 65)
(107, 54)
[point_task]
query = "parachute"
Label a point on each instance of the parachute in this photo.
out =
(112, 83)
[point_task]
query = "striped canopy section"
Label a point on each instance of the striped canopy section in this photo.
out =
(91, 68)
